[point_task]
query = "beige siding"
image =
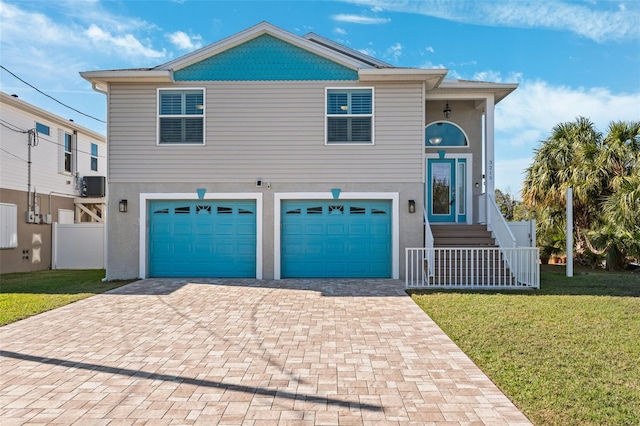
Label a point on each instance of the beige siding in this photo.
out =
(269, 130)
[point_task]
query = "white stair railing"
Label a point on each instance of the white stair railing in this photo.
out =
(456, 267)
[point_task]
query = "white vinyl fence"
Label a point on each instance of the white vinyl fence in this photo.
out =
(524, 232)
(78, 246)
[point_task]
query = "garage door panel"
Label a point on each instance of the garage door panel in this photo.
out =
(314, 229)
(204, 238)
(331, 238)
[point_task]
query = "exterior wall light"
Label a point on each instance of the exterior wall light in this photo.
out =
(412, 206)
(447, 111)
(122, 206)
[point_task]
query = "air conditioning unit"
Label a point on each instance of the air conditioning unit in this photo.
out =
(94, 186)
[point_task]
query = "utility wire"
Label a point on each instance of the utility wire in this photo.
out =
(39, 137)
(13, 129)
(19, 158)
(51, 97)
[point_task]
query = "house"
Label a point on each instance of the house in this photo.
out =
(271, 155)
(51, 171)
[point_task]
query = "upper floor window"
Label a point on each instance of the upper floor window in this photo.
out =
(349, 116)
(68, 153)
(94, 157)
(42, 129)
(181, 116)
(443, 133)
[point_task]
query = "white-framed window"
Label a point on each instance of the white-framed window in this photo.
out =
(43, 129)
(349, 115)
(8, 226)
(94, 157)
(181, 115)
(67, 149)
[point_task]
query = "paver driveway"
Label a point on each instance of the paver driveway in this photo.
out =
(163, 351)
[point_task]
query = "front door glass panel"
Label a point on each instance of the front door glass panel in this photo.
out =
(441, 188)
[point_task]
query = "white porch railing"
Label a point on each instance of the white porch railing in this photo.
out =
(428, 242)
(496, 224)
(485, 268)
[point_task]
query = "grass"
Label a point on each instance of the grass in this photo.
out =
(566, 354)
(25, 294)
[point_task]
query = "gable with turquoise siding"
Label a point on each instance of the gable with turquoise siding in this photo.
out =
(265, 58)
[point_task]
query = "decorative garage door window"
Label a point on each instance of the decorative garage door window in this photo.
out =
(202, 238)
(329, 238)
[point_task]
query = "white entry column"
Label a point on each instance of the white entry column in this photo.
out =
(489, 152)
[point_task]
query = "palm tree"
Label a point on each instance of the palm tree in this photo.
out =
(605, 176)
(560, 163)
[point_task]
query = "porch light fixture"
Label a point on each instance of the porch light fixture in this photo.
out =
(412, 206)
(435, 140)
(447, 111)
(122, 206)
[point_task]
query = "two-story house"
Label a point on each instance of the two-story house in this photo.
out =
(51, 170)
(271, 155)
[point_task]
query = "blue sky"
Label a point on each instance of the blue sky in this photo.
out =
(570, 58)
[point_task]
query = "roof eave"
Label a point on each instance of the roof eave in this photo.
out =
(432, 77)
(499, 90)
(32, 109)
(101, 79)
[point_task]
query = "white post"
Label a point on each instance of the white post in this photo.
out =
(489, 153)
(569, 232)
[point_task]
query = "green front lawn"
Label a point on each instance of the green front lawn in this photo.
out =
(26, 294)
(566, 354)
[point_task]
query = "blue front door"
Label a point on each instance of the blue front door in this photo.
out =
(336, 238)
(203, 238)
(441, 190)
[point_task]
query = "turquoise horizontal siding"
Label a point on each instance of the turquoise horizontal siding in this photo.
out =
(265, 58)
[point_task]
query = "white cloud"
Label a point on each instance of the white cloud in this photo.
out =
(359, 19)
(340, 31)
(127, 43)
(370, 52)
(510, 174)
(598, 21)
(528, 115)
(394, 52)
(184, 41)
(429, 49)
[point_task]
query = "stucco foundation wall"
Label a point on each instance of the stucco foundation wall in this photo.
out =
(123, 229)
(34, 240)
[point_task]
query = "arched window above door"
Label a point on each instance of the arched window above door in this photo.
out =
(444, 133)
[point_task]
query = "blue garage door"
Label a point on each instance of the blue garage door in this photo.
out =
(339, 239)
(202, 238)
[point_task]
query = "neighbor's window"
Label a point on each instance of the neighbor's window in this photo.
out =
(181, 117)
(349, 116)
(94, 157)
(68, 153)
(42, 129)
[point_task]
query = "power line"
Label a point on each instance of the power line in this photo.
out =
(51, 97)
(19, 158)
(38, 137)
(13, 129)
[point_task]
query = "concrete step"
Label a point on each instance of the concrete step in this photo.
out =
(464, 242)
(462, 236)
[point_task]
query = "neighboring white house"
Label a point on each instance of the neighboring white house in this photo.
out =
(51, 170)
(271, 155)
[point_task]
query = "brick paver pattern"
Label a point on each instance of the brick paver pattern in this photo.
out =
(205, 351)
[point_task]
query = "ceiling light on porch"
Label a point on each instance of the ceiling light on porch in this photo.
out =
(435, 141)
(447, 111)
